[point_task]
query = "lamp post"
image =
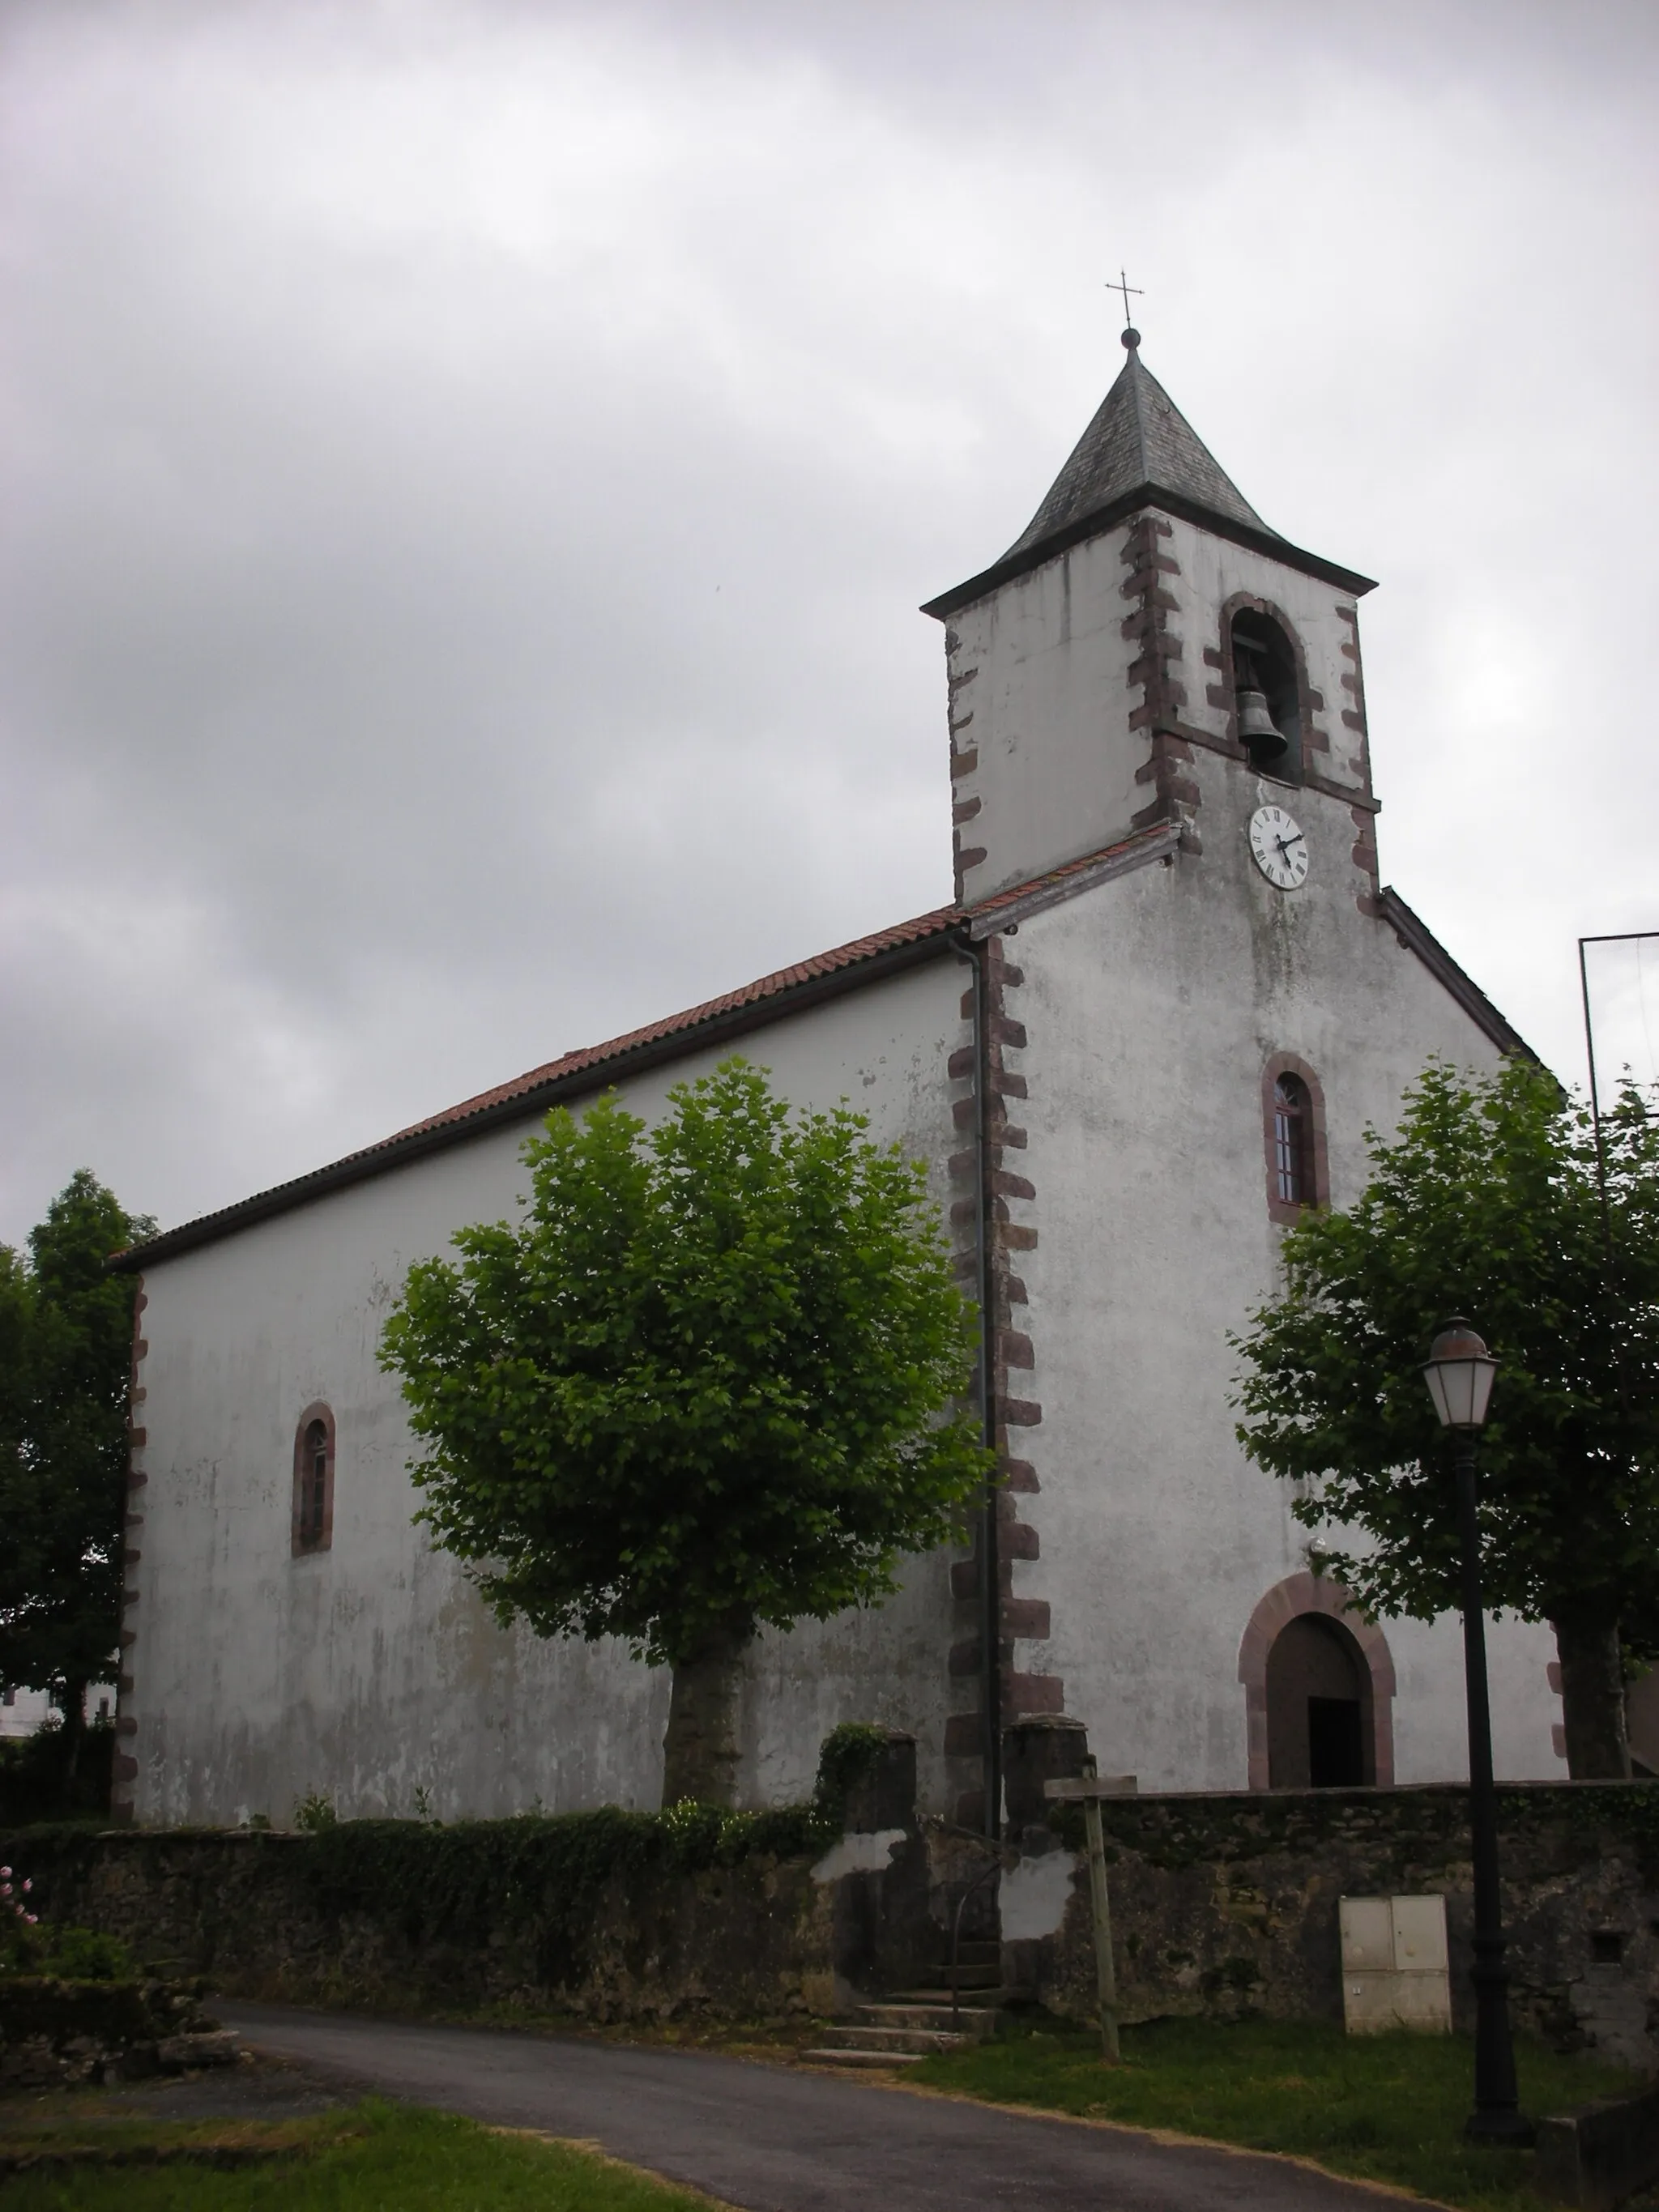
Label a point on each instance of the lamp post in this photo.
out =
(1459, 1374)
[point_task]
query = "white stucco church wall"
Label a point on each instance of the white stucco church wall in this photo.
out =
(1150, 1006)
(371, 1669)
(1042, 658)
(1084, 1050)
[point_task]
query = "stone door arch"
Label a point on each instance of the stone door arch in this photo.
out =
(1333, 1633)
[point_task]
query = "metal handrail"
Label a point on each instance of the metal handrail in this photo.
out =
(984, 1874)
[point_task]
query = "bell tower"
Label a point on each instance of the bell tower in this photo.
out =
(1147, 615)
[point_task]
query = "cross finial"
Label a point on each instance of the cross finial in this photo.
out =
(1131, 335)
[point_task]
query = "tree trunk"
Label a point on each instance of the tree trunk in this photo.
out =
(700, 1750)
(1593, 1699)
(74, 1726)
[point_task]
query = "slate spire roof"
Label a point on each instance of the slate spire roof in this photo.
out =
(1139, 451)
(1138, 437)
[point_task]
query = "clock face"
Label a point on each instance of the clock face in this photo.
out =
(1279, 847)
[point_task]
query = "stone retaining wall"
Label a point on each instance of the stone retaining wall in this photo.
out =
(256, 1913)
(608, 1915)
(1227, 1905)
(56, 2033)
(1222, 1904)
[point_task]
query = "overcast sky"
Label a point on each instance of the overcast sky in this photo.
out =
(470, 471)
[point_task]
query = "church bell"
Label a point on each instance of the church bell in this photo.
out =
(1255, 727)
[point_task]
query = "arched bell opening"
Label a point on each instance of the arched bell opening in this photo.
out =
(1269, 697)
(1320, 1724)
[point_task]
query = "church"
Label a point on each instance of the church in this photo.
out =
(1168, 997)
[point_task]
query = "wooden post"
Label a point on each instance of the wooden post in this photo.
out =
(1091, 1789)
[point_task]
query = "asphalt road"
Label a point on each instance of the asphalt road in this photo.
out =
(781, 2138)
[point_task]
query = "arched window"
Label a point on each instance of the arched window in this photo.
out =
(1292, 1141)
(1267, 695)
(1293, 1132)
(1318, 1697)
(313, 1484)
(314, 1481)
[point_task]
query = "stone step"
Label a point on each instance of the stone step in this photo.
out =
(863, 2057)
(978, 2020)
(917, 2040)
(967, 1977)
(939, 1993)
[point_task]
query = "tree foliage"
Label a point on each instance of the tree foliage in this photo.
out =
(1484, 1204)
(65, 1364)
(703, 1383)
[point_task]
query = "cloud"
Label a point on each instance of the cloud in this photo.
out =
(473, 468)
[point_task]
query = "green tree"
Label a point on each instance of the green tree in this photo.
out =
(706, 1383)
(65, 1365)
(1484, 1204)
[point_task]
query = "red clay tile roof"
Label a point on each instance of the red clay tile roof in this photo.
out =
(784, 979)
(825, 974)
(864, 960)
(675, 1025)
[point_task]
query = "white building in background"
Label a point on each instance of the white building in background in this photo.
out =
(1169, 996)
(23, 1711)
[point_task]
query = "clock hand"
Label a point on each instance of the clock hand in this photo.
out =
(1285, 843)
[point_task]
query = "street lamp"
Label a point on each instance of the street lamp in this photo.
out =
(1459, 1374)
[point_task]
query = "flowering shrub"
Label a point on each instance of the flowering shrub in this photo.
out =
(15, 1915)
(23, 1942)
(71, 1954)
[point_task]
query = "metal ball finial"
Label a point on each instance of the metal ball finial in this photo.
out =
(1130, 336)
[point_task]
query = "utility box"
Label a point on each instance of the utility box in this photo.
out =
(1395, 1972)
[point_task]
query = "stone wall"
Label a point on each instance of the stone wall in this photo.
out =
(607, 1915)
(1224, 1904)
(260, 1915)
(1227, 1904)
(58, 2033)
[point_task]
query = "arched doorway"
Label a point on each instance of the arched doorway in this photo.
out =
(1319, 1697)
(1315, 1672)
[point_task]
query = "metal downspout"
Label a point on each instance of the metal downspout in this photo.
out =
(990, 1579)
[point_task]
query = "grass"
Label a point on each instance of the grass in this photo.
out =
(78, 2122)
(1387, 2108)
(372, 2157)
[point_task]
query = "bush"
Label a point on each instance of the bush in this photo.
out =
(465, 1877)
(36, 1949)
(81, 1954)
(36, 1785)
